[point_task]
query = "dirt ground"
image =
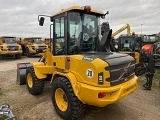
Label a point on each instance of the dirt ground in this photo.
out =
(140, 105)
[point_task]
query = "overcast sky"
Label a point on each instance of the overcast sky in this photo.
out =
(20, 17)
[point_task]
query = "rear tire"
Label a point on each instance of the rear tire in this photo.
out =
(1, 57)
(18, 56)
(66, 104)
(35, 86)
(28, 53)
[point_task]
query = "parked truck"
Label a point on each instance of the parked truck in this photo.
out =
(9, 47)
(31, 46)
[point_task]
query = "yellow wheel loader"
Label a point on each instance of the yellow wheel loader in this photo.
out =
(9, 47)
(81, 68)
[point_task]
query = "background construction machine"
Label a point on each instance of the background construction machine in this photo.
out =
(125, 27)
(32, 45)
(146, 52)
(82, 70)
(9, 47)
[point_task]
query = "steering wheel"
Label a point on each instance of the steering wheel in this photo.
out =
(59, 51)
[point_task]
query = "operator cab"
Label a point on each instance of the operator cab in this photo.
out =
(35, 40)
(130, 43)
(9, 40)
(76, 31)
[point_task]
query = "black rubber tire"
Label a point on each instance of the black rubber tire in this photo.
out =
(28, 53)
(38, 85)
(75, 107)
(1, 57)
(18, 56)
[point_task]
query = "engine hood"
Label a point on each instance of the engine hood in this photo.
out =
(112, 58)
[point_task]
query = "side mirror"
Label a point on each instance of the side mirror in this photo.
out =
(41, 21)
(104, 27)
(103, 16)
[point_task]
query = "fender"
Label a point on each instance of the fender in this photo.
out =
(38, 72)
(73, 80)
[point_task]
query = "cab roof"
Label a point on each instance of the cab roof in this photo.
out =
(7, 37)
(32, 37)
(81, 8)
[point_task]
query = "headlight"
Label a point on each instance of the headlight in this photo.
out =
(1, 47)
(33, 47)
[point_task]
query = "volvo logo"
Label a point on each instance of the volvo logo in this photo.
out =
(125, 71)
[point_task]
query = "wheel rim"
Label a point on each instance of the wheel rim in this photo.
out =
(29, 80)
(61, 99)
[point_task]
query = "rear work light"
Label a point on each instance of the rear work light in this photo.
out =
(132, 54)
(87, 8)
(101, 94)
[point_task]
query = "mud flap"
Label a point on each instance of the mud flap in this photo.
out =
(21, 73)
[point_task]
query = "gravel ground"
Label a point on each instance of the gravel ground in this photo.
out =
(140, 105)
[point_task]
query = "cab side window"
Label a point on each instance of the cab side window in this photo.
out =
(138, 44)
(59, 37)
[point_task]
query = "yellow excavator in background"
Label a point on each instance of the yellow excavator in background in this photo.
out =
(132, 40)
(127, 26)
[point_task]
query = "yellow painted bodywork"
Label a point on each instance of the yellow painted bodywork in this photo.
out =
(59, 98)
(86, 89)
(137, 56)
(5, 51)
(89, 94)
(29, 80)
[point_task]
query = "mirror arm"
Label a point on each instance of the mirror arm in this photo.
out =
(43, 16)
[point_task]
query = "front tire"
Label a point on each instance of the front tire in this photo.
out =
(35, 86)
(18, 56)
(1, 57)
(28, 52)
(66, 104)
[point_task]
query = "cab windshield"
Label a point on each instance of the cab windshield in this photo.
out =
(9, 40)
(130, 44)
(126, 44)
(83, 31)
(36, 40)
(150, 38)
